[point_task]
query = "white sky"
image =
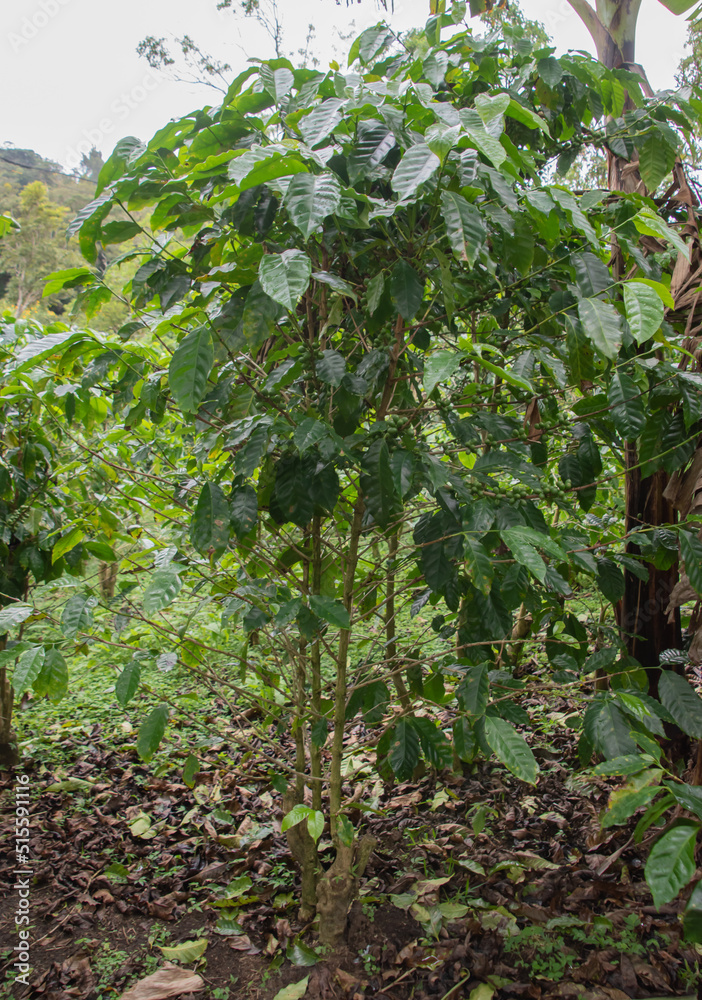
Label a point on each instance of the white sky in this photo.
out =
(69, 73)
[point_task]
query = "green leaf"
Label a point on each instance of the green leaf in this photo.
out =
(14, 614)
(416, 166)
(127, 683)
(682, 701)
(464, 226)
(285, 276)
(627, 405)
(474, 690)
(691, 548)
(185, 952)
(300, 954)
(345, 831)
(321, 120)
(511, 749)
(151, 732)
(651, 224)
(656, 160)
(479, 565)
(315, 825)
(11, 654)
(296, 815)
(678, 6)
(310, 199)
(374, 143)
(644, 310)
(331, 367)
(378, 484)
(190, 368)
(439, 367)
(190, 769)
(53, 679)
(294, 991)
(162, 590)
(406, 289)
(330, 610)
(28, 669)
(464, 741)
(607, 730)
(77, 614)
(623, 806)
(209, 525)
(602, 325)
(278, 82)
(404, 750)
(526, 116)
(66, 543)
(671, 863)
(524, 553)
(692, 917)
(243, 509)
(689, 796)
(370, 43)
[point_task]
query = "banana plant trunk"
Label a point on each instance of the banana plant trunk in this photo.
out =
(641, 612)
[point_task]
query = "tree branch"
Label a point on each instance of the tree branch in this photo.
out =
(588, 16)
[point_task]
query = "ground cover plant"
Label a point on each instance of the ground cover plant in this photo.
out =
(342, 506)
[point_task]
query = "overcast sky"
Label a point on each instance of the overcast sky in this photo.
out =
(70, 77)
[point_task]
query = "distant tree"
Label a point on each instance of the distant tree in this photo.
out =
(90, 165)
(38, 247)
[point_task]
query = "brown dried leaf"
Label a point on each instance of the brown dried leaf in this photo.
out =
(168, 981)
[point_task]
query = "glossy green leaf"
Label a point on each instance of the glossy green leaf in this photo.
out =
(330, 610)
(524, 553)
(406, 289)
(689, 796)
(464, 741)
(464, 226)
(278, 82)
(162, 590)
(627, 405)
(310, 199)
(416, 166)
(128, 682)
(293, 991)
(404, 750)
(243, 508)
(374, 143)
(77, 614)
(345, 831)
(478, 564)
(671, 863)
(14, 614)
(185, 952)
(67, 542)
(285, 276)
(474, 690)
(682, 701)
(378, 484)
(511, 749)
(190, 769)
(651, 224)
(151, 732)
(190, 368)
(656, 160)
(321, 120)
(439, 367)
(52, 682)
(602, 325)
(644, 310)
(607, 730)
(209, 525)
(331, 367)
(28, 669)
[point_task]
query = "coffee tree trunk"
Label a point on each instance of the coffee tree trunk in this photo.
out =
(642, 610)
